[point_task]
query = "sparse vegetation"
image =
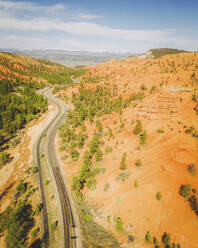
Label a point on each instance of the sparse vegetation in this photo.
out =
(160, 130)
(106, 187)
(190, 129)
(53, 225)
(138, 163)
(94, 144)
(195, 134)
(108, 219)
(35, 232)
(42, 155)
(191, 169)
(108, 149)
(153, 89)
(98, 155)
(123, 175)
(185, 190)
(119, 223)
(148, 237)
(193, 202)
(158, 196)
(166, 239)
(123, 165)
(4, 158)
(136, 183)
(46, 182)
(22, 187)
(155, 241)
(138, 127)
(143, 138)
(94, 234)
(74, 155)
(143, 87)
(34, 169)
(39, 207)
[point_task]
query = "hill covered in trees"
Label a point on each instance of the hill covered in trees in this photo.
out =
(25, 69)
(158, 52)
(20, 78)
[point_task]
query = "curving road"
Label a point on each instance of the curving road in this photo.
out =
(71, 239)
(67, 216)
(45, 214)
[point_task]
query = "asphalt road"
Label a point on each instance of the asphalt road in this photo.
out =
(70, 238)
(45, 214)
(71, 234)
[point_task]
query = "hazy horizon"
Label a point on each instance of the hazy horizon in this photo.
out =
(70, 58)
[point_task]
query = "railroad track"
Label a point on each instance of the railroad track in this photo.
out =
(67, 216)
(70, 238)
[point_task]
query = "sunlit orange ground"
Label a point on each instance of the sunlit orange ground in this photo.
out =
(165, 156)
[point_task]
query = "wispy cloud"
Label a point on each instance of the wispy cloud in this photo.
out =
(83, 28)
(29, 6)
(75, 31)
(89, 16)
(28, 10)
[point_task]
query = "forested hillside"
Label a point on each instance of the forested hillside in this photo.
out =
(24, 69)
(19, 104)
(165, 51)
(20, 78)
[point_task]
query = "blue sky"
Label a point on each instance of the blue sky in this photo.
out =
(102, 25)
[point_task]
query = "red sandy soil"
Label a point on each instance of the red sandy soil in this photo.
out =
(165, 156)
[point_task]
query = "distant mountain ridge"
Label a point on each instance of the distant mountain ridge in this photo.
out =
(70, 58)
